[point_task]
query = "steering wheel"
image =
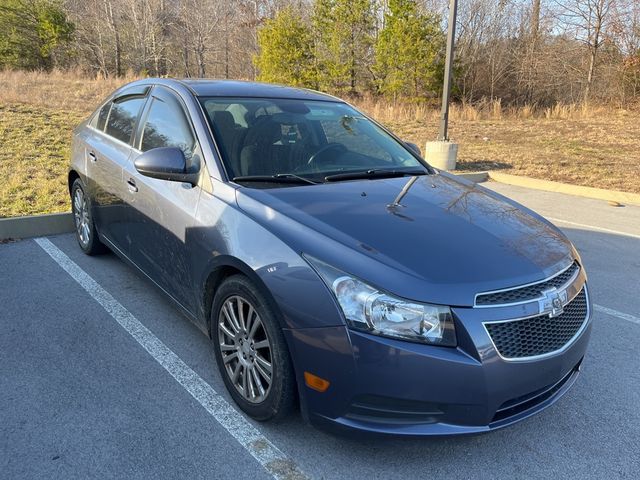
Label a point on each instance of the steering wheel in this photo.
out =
(313, 160)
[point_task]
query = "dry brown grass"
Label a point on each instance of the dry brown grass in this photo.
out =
(62, 90)
(592, 146)
(38, 111)
(384, 111)
(601, 152)
(71, 90)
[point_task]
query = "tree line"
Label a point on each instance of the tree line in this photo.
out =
(349, 47)
(534, 52)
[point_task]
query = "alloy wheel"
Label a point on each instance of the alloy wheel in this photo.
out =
(245, 349)
(81, 216)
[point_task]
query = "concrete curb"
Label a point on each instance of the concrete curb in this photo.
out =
(549, 186)
(36, 225)
(476, 177)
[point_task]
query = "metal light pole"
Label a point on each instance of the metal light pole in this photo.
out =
(442, 153)
(448, 70)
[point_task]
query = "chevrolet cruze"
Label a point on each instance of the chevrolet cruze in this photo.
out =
(330, 265)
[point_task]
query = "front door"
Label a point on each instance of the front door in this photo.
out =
(162, 212)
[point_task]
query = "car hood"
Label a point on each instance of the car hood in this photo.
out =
(431, 238)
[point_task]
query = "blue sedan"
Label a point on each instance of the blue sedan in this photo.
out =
(331, 266)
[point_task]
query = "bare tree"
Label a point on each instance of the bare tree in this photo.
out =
(484, 47)
(94, 44)
(535, 18)
(537, 52)
(624, 31)
(200, 19)
(588, 20)
(114, 26)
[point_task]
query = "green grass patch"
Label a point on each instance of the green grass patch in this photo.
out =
(34, 157)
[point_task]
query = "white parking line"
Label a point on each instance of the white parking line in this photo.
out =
(265, 452)
(616, 313)
(593, 227)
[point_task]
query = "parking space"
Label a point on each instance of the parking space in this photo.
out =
(83, 393)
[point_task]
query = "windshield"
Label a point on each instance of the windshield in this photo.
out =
(308, 140)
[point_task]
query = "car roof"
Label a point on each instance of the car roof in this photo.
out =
(237, 88)
(203, 87)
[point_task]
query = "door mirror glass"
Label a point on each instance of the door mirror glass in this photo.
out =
(168, 163)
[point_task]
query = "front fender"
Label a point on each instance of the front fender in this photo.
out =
(226, 238)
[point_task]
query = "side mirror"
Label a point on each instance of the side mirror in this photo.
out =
(414, 148)
(167, 163)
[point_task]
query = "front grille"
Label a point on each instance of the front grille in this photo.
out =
(539, 335)
(530, 292)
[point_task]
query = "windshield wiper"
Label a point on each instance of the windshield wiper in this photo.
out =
(375, 173)
(278, 178)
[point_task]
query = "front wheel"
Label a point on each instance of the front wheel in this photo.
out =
(85, 229)
(251, 351)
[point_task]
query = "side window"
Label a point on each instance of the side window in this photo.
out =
(167, 126)
(122, 118)
(100, 119)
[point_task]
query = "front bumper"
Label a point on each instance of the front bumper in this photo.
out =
(389, 386)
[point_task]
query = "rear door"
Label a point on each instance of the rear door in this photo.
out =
(163, 212)
(108, 151)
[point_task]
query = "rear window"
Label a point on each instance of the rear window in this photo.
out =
(122, 118)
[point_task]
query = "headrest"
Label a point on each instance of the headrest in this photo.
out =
(223, 119)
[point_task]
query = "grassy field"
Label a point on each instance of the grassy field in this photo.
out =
(601, 151)
(34, 153)
(595, 147)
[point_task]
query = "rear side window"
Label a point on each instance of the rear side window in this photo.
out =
(122, 118)
(167, 126)
(99, 120)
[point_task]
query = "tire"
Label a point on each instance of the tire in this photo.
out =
(245, 346)
(86, 233)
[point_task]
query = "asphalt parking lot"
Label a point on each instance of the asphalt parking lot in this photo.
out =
(100, 376)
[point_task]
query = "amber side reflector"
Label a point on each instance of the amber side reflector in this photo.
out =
(315, 382)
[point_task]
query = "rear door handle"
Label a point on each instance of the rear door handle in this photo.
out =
(132, 185)
(92, 157)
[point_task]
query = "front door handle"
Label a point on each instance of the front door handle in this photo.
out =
(92, 156)
(131, 183)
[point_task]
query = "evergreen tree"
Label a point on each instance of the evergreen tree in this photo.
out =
(286, 51)
(344, 33)
(409, 51)
(31, 31)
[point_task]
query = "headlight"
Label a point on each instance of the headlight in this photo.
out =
(367, 308)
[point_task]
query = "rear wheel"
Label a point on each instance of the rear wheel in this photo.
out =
(85, 229)
(251, 351)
